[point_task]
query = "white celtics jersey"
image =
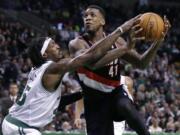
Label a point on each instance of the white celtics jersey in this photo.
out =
(36, 106)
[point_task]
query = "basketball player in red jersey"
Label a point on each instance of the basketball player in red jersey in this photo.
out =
(119, 127)
(105, 99)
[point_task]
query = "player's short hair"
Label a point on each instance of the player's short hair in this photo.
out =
(34, 51)
(101, 10)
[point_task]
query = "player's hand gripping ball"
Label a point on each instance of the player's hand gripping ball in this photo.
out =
(153, 26)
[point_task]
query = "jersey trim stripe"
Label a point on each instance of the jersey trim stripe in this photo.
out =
(94, 84)
(18, 123)
(98, 78)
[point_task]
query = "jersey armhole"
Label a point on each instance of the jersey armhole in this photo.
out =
(41, 83)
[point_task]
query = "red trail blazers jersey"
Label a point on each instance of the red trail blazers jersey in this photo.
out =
(104, 79)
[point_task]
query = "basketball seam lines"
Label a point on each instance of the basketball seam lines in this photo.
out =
(146, 36)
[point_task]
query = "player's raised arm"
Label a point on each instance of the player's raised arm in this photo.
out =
(122, 48)
(99, 48)
(77, 46)
(141, 61)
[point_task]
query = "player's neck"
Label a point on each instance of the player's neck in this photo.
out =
(97, 36)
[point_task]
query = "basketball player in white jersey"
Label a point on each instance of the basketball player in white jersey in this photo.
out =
(38, 103)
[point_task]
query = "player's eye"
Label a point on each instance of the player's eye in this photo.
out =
(93, 15)
(85, 15)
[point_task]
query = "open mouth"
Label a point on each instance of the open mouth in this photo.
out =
(88, 24)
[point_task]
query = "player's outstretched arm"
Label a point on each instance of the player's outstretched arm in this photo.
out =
(56, 70)
(141, 61)
(99, 49)
(77, 46)
(110, 56)
(70, 98)
(122, 48)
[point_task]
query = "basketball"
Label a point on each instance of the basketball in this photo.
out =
(153, 26)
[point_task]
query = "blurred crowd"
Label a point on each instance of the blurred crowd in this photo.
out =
(156, 89)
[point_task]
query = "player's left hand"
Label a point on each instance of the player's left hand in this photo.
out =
(134, 36)
(130, 23)
(167, 26)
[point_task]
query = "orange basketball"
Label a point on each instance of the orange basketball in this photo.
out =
(153, 26)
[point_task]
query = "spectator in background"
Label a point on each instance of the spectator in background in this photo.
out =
(177, 124)
(13, 92)
(66, 127)
(7, 101)
(71, 83)
(154, 127)
(10, 72)
(170, 126)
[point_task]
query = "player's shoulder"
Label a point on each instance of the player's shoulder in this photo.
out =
(77, 43)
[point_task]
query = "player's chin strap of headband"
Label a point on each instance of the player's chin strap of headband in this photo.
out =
(45, 45)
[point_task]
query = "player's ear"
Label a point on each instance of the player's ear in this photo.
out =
(103, 21)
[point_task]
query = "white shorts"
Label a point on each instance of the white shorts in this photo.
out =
(12, 129)
(119, 127)
(123, 81)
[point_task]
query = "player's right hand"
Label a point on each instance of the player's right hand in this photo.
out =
(78, 123)
(130, 23)
(167, 26)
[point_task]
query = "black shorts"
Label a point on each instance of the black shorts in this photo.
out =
(100, 110)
